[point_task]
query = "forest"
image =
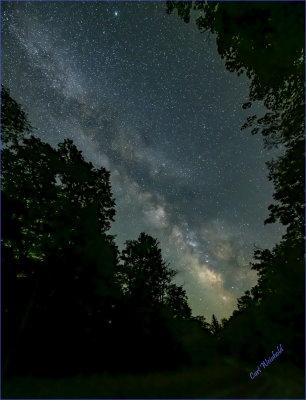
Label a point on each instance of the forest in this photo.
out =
(81, 319)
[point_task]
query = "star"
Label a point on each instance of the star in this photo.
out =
(162, 123)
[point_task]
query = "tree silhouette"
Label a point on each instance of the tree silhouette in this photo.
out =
(273, 32)
(70, 307)
(14, 121)
(215, 326)
(144, 274)
(55, 250)
(248, 34)
(147, 278)
(176, 302)
(201, 320)
(59, 258)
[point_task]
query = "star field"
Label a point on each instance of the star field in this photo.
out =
(148, 97)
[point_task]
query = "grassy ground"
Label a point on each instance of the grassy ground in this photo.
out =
(222, 380)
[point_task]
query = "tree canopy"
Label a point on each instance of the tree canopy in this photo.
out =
(67, 270)
(147, 278)
(73, 303)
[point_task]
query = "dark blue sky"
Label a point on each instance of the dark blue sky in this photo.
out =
(148, 97)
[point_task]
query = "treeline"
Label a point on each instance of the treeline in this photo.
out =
(265, 40)
(72, 303)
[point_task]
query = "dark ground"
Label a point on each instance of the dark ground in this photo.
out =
(222, 379)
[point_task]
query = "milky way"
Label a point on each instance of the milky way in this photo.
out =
(148, 97)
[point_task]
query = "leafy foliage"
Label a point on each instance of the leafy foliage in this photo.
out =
(72, 292)
(72, 302)
(55, 251)
(246, 35)
(14, 122)
(273, 32)
(147, 278)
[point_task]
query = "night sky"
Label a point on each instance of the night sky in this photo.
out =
(149, 98)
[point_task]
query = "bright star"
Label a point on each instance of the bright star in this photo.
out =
(116, 13)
